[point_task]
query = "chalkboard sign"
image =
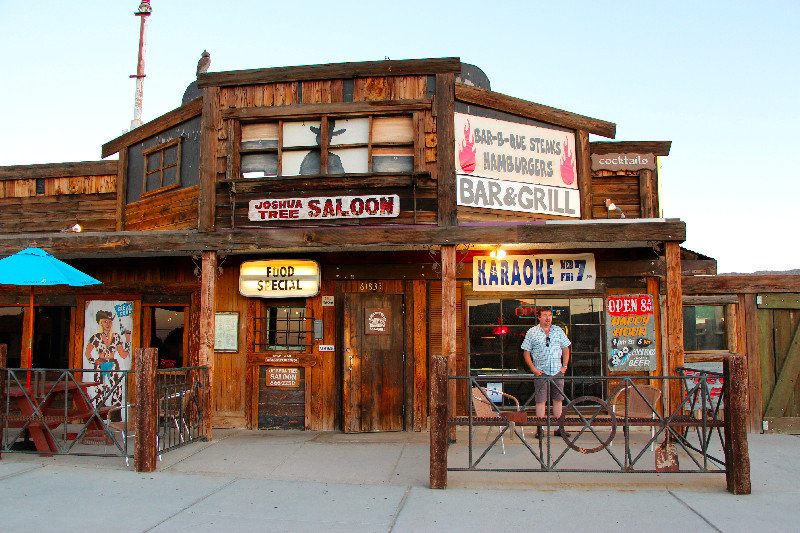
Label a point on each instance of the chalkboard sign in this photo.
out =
(226, 332)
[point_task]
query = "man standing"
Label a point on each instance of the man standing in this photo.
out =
(546, 352)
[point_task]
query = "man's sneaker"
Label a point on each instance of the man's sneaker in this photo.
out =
(563, 433)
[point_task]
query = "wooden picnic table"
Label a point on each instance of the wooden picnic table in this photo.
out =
(37, 410)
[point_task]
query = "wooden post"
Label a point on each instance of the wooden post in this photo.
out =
(449, 331)
(753, 353)
(646, 193)
(146, 448)
(674, 322)
(209, 125)
(584, 160)
(444, 108)
(206, 353)
(737, 457)
(439, 416)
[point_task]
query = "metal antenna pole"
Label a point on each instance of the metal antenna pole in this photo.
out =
(143, 13)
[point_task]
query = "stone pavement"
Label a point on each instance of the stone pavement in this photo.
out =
(310, 481)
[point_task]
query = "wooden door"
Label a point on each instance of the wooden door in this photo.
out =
(779, 348)
(373, 362)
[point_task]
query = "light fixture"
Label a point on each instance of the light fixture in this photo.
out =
(611, 206)
(75, 228)
(497, 253)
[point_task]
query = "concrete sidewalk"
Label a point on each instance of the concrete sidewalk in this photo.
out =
(304, 481)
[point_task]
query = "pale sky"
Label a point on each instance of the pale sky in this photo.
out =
(718, 79)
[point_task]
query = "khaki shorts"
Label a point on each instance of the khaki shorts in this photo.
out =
(544, 388)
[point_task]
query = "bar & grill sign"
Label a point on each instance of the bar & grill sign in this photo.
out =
(631, 332)
(515, 167)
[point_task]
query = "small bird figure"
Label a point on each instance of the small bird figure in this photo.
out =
(204, 63)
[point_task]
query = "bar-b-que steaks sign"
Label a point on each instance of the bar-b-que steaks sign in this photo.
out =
(515, 167)
(631, 332)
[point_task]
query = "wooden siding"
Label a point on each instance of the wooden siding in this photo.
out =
(62, 200)
(48, 214)
(171, 210)
(417, 190)
(435, 335)
(55, 186)
(622, 188)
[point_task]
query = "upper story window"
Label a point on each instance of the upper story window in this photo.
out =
(328, 145)
(162, 170)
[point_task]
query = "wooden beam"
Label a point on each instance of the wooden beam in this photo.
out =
(589, 234)
(208, 285)
(584, 172)
(751, 350)
(328, 71)
(632, 147)
(722, 299)
(646, 193)
(315, 110)
(167, 120)
(145, 451)
(778, 301)
(674, 321)
(524, 108)
(122, 188)
(737, 455)
(59, 170)
(741, 284)
(445, 149)
(208, 160)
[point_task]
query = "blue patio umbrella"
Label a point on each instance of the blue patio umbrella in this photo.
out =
(33, 267)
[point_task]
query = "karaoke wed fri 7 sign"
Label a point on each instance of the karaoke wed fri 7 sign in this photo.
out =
(515, 167)
(631, 332)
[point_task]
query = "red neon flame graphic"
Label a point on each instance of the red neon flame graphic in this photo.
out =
(567, 165)
(466, 155)
(500, 330)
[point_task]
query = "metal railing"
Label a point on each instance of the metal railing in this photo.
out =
(65, 412)
(688, 438)
(180, 393)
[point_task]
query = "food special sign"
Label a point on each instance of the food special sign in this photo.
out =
(515, 167)
(534, 272)
(279, 278)
(631, 332)
(325, 207)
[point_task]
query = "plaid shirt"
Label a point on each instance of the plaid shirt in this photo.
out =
(546, 358)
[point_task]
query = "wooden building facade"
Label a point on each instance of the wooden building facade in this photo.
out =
(320, 232)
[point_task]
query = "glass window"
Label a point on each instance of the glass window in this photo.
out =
(162, 167)
(704, 328)
(11, 334)
(497, 328)
(352, 146)
(167, 335)
(285, 328)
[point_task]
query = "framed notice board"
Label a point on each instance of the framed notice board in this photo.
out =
(226, 332)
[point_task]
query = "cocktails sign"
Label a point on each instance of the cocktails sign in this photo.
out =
(631, 332)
